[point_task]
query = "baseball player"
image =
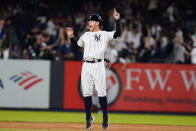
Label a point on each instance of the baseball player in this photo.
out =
(93, 73)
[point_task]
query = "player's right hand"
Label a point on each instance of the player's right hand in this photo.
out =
(69, 32)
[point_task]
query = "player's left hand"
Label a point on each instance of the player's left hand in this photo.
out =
(116, 15)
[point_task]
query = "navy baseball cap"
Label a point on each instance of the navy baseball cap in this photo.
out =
(95, 17)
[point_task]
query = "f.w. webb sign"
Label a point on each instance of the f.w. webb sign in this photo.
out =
(188, 77)
(140, 87)
(157, 87)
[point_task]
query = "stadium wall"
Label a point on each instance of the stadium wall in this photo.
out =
(141, 87)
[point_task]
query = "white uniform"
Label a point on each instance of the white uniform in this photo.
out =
(93, 74)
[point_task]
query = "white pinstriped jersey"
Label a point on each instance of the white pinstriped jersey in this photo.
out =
(93, 74)
(95, 43)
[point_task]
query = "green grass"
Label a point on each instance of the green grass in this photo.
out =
(41, 116)
(76, 117)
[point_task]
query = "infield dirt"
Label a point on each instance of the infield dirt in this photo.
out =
(96, 127)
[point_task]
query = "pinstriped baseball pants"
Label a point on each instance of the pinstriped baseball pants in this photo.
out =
(93, 75)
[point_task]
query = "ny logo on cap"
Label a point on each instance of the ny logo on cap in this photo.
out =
(97, 37)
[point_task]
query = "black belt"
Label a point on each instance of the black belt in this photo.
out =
(93, 61)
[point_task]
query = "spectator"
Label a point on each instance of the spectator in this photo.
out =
(159, 52)
(14, 52)
(145, 53)
(51, 28)
(3, 35)
(30, 29)
(179, 53)
(111, 55)
(25, 54)
(172, 12)
(193, 37)
(45, 50)
(5, 52)
(135, 33)
(156, 30)
(121, 42)
(193, 55)
(149, 45)
(188, 46)
(64, 45)
(179, 38)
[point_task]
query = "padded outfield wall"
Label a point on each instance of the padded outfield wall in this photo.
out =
(36, 84)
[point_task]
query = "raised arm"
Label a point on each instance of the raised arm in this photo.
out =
(116, 16)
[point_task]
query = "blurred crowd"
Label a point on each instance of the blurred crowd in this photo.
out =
(161, 31)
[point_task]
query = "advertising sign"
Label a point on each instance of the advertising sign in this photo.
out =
(24, 84)
(139, 87)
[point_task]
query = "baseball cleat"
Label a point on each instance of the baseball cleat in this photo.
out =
(89, 123)
(105, 125)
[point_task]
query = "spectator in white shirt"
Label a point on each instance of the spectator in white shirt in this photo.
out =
(193, 55)
(172, 11)
(156, 30)
(134, 35)
(179, 38)
(111, 55)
